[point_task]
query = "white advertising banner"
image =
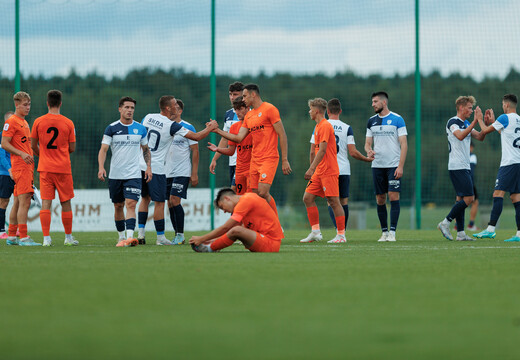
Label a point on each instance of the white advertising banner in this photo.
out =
(93, 211)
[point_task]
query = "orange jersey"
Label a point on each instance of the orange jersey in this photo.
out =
(256, 214)
(54, 133)
(243, 150)
(324, 132)
(260, 124)
(18, 130)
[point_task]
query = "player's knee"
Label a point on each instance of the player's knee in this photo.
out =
(3, 203)
(119, 206)
(234, 232)
(174, 201)
(381, 199)
(468, 199)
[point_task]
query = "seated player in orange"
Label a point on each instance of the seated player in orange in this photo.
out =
(252, 221)
(264, 125)
(15, 140)
(53, 139)
(243, 149)
(323, 174)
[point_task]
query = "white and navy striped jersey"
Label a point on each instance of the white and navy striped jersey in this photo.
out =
(230, 119)
(459, 149)
(385, 132)
(178, 159)
(344, 137)
(161, 131)
(125, 142)
(509, 127)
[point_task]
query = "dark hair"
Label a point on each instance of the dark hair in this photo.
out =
(236, 86)
(511, 98)
(334, 106)
(223, 192)
(54, 98)
(165, 101)
(380, 94)
(180, 103)
(239, 103)
(125, 99)
(252, 87)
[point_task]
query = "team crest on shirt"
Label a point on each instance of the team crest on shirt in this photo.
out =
(136, 131)
(324, 188)
(389, 122)
(264, 176)
(259, 114)
(6, 127)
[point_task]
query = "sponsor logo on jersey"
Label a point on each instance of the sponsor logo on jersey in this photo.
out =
(119, 132)
(324, 188)
(259, 114)
(6, 127)
(136, 131)
(255, 128)
(389, 122)
(264, 176)
(156, 122)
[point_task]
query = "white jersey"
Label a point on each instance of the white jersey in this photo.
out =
(508, 125)
(385, 132)
(230, 119)
(459, 157)
(161, 131)
(178, 159)
(125, 142)
(344, 137)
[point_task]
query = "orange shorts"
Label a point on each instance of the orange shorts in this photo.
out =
(242, 184)
(265, 244)
(50, 182)
(323, 186)
(23, 181)
(263, 173)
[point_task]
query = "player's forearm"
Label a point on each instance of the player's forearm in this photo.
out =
(235, 138)
(102, 156)
(368, 146)
(404, 151)
(226, 151)
(317, 159)
(195, 162)
(283, 146)
(357, 155)
(147, 156)
(221, 230)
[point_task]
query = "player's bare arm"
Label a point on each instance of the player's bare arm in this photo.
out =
(404, 150)
(369, 141)
(354, 152)
(280, 130)
(102, 156)
(221, 230)
(7, 146)
(35, 146)
(194, 180)
(461, 134)
(478, 135)
(312, 154)
(317, 159)
(229, 150)
(147, 156)
(242, 133)
(210, 126)
(72, 147)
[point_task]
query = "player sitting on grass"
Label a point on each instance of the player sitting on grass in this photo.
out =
(253, 222)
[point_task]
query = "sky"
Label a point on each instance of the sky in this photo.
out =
(110, 37)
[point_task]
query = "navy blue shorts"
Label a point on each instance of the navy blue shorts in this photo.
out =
(385, 181)
(6, 186)
(232, 175)
(124, 189)
(508, 179)
(156, 188)
(344, 186)
(178, 186)
(462, 182)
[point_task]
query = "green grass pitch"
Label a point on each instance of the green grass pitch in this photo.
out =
(422, 297)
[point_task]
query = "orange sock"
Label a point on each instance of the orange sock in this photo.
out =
(272, 204)
(340, 221)
(23, 230)
(221, 243)
(314, 217)
(45, 220)
(66, 219)
(12, 229)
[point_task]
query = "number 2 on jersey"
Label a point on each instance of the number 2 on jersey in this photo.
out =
(516, 142)
(50, 144)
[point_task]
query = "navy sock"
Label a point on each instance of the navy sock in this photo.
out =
(395, 210)
(2, 220)
(120, 225)
(172, 219)
(517, 214)
(333, 218)
(141, 218)
(159, 226)
(130, 224)
(459, 206)
(460, 220)
(345, 209)
(383, 217)
(498, 204)
(179, 218)
(471, 223)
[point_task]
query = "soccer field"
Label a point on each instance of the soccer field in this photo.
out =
(422, 297)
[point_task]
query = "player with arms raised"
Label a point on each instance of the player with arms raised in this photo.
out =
(126, 138)
(53, 139)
